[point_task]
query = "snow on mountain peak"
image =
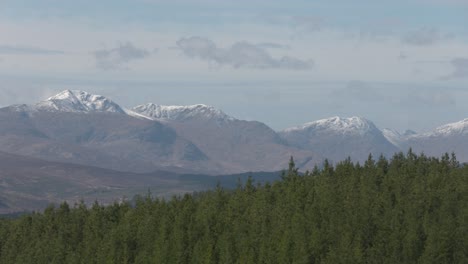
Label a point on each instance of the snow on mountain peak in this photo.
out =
(395, 137)
(336, 124)
(181, 113)
(79, 101)
(460, 127)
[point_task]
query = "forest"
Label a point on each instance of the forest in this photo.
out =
(406, 209)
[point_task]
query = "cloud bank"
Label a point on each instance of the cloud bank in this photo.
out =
(461, 68)
(423, 37)
(9, 49)
(239, 55)
(108, 59)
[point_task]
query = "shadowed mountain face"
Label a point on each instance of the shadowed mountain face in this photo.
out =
(338, 138)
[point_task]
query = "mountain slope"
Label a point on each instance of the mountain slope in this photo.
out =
(448, 138)
(82, 128)
(182, 113)
(396, 138)
(236, 144)
(337, 138)
(79, 127)
(28, 184)
(78, 101)
(92, 130)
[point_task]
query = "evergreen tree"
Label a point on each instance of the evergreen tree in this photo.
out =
(408, 209)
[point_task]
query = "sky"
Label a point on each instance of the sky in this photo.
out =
(401, 64)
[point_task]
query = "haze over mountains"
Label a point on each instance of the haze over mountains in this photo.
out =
(81, 128)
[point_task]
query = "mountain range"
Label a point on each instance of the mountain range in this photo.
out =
(76, 145)
(82, 128)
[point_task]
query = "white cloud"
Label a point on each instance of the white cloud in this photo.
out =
(271, 45)
(423, 37)
(460, 66)
(239, 55)
(108, 59)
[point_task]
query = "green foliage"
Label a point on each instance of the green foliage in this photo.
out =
(410, 209)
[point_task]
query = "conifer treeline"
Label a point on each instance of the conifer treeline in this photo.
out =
(411, 209)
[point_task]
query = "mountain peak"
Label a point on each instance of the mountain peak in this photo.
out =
(338, 124)
(181, 113)
(460, 127)
(79, 101)
(65, 94)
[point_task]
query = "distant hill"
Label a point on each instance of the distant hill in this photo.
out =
(28, 184)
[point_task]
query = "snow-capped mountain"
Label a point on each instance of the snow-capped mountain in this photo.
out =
(448, 138)
(181, 113)
(75, 126)
(452, 129)
(79, 127)
(78, 101)
(337, 125)
(396, 138)
(250, 145)
(337, 138)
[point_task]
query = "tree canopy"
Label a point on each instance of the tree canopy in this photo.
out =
(409, 209)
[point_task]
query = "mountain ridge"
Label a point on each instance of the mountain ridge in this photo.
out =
(337, 124)
(76, 126)
(200, 134)
(181, 112)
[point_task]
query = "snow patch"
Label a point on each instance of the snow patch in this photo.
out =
(457, 128)
(181, 113)
(352, 125)
(79, 102)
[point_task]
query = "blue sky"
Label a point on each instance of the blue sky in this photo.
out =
(403, 64)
